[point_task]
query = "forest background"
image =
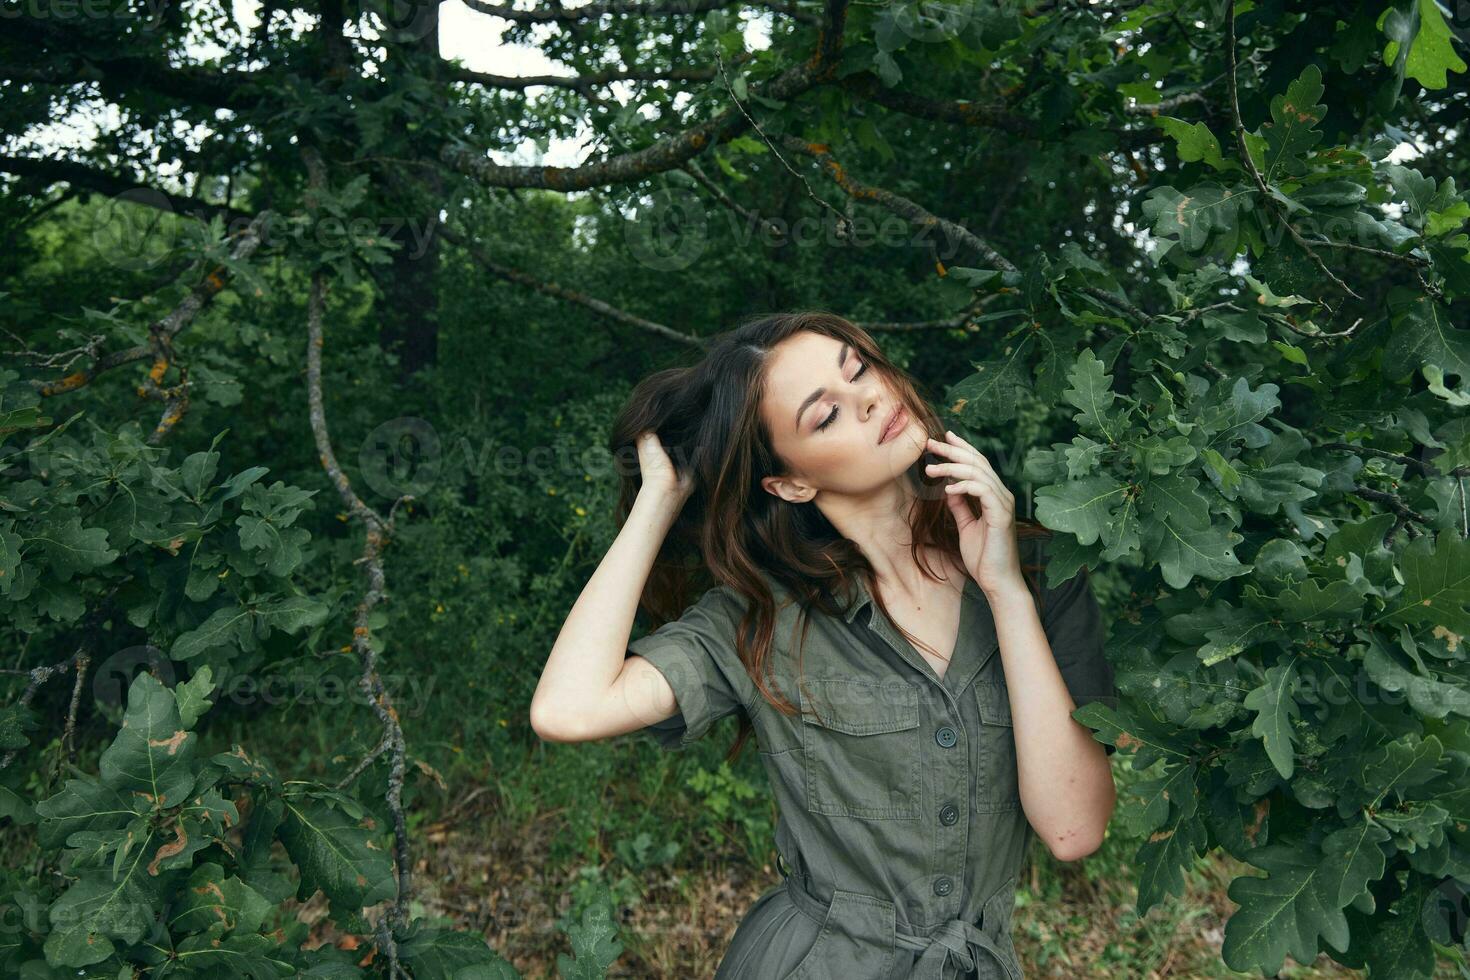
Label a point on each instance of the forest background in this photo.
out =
(305, 400)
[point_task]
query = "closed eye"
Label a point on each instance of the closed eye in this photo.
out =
(833, 417)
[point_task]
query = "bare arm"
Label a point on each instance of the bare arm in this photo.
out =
(1066, 781)
(590, 688)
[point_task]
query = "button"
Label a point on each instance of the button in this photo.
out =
(948, 814)
(946, 737)
(943, 885)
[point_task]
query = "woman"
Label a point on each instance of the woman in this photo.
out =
(914, 721)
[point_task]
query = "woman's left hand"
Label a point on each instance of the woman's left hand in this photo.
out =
(988, 542)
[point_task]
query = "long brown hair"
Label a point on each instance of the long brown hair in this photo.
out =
(732, 531)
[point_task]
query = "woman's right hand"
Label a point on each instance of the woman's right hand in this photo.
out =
(657, 470)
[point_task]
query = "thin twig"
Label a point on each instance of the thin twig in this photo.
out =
(1250, 165)
(896, 203)
(693, 169)
(1424, 466)
(844, 227)
(38, 677)
(160, 345)
(377, 534)
(561, 292)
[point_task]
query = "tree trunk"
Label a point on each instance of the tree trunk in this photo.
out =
(409, 325)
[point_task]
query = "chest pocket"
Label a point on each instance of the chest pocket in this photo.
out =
(860, 739)
(997, 786)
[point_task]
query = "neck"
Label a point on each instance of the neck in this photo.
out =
(879, 526)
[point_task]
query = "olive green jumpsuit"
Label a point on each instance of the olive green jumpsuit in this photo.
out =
(900, 830)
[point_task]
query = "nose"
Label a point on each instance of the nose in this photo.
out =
(870, 398)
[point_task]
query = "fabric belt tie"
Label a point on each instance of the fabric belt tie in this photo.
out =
(955, 941)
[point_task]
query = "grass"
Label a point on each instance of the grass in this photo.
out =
(498, 874)
(515, 838)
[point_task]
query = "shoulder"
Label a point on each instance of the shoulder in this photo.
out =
(720, 604)
(728, 602)
(786, 611)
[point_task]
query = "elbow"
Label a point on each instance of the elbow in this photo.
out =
(548, 726)
(1078, 842)
(1075, 847)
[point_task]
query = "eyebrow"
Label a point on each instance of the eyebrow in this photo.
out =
(814, 396)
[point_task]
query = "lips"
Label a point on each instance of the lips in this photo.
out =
(894, 423)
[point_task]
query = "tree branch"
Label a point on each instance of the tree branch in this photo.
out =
(553, 13)
(1250, 165)
(561, 292)
(120, 76)
(672, 151)
(580, 82)
(693, 169)
(87, 178)
(960, 321)
(869, 86)
(899, 205)
(377, 533)
(160, 340)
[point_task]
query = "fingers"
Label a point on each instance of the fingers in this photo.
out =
(978, 479)
(967, 471)
(993, 507)
(969, 463)
(952, 436)
(963, 517)
(960, 450)
(962, 470)
(975, 467)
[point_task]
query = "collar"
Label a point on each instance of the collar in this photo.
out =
(977, 631)
(860, 598)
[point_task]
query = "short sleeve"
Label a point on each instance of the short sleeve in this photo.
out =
(697, 655)
(1074, 627)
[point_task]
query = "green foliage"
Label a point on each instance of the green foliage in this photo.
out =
(1289, 652)
(727, 797)
(150, 874)
(593, 940)
(1267, 470)
(149, 833)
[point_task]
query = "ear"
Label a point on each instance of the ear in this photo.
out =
(788, 490)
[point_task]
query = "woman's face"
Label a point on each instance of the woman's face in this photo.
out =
(825, 410)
